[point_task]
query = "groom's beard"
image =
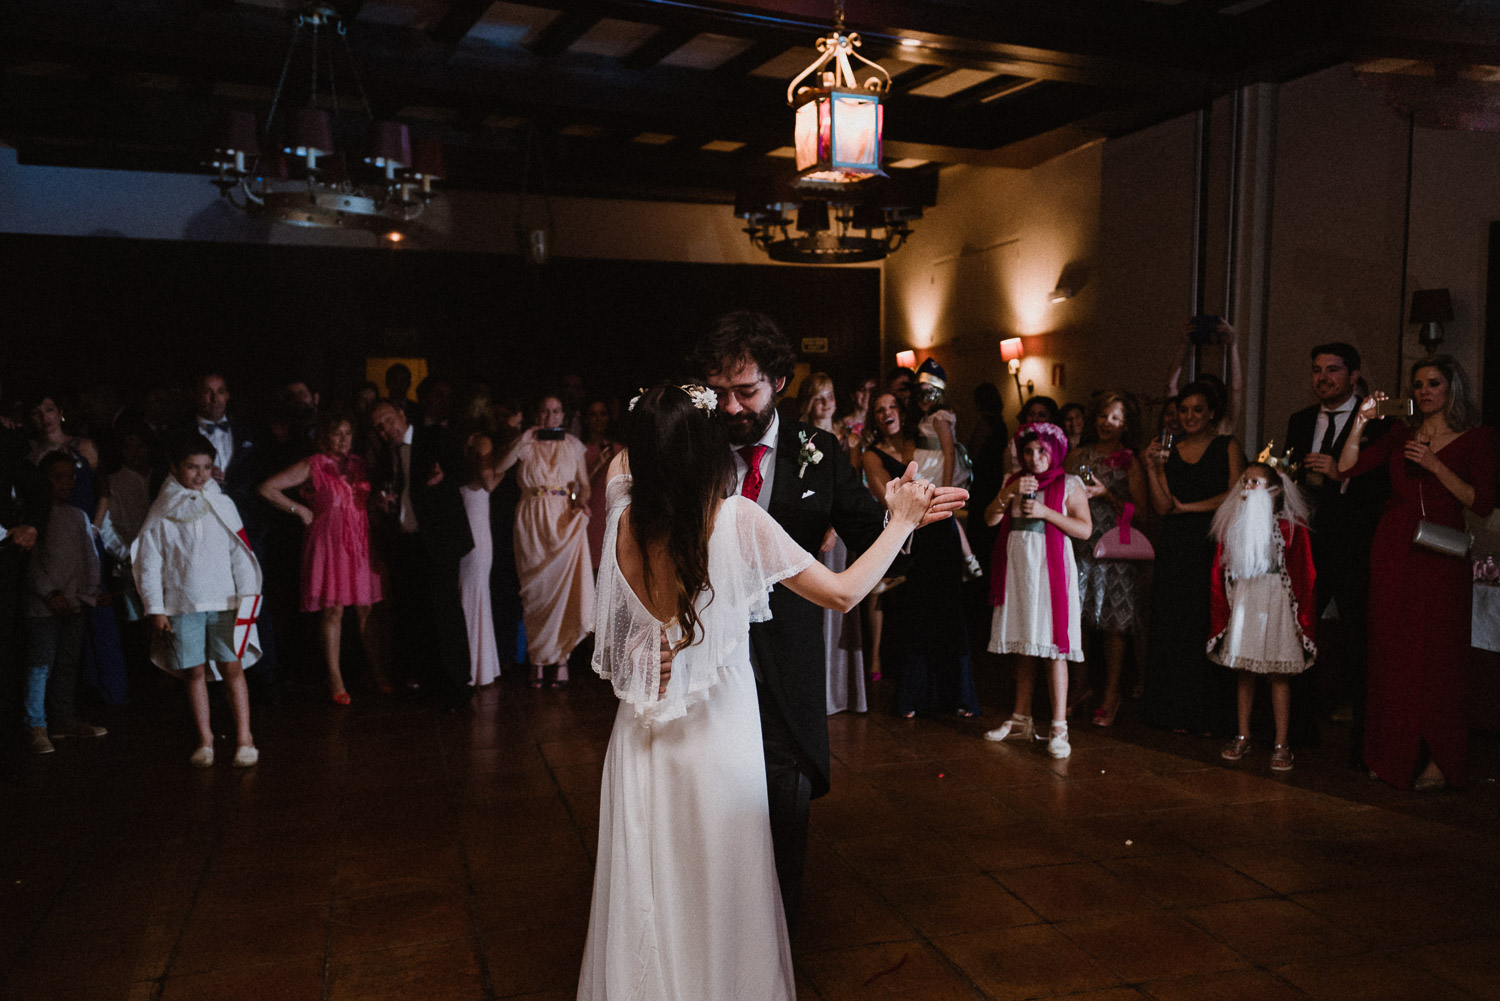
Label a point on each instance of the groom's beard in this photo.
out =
(748, 427)
(1249, 547)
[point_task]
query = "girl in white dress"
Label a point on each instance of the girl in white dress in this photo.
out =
(1034, 580)
(686, 903)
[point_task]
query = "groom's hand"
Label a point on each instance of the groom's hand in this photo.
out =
(666, 665)
(945, 501)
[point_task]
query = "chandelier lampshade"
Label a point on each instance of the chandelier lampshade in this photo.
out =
(390, 147)
(236, 141)
(311, 136)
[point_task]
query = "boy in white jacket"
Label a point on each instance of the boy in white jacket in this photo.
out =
(193, 566)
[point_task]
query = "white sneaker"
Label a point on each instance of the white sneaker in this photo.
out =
(203, 757)
(246, 757)
(1057, 743)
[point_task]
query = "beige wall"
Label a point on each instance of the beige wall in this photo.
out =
(982, 262)
(980, 269)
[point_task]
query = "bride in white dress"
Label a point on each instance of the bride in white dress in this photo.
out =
(686, 904)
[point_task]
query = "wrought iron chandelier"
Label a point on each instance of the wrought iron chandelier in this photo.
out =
(298, 189)
(851, 227)
(840, 207)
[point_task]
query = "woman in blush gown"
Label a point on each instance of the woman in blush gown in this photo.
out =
(686, 905)
(336, 567)
(552, 546)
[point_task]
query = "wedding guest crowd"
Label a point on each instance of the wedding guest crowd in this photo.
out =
(454, 535)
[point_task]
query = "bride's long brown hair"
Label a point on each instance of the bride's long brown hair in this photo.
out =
(682, 468)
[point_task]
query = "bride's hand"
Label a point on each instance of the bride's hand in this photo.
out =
(909, 498)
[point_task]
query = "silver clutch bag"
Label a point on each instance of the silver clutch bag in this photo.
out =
(1442, 539)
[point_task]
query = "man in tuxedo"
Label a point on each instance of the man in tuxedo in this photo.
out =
(746, 359)
(235, 470)
(1345, 514)
(431, 535)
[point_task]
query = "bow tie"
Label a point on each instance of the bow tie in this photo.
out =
(214, 426)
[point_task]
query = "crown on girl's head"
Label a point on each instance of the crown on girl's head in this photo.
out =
(1286, 463)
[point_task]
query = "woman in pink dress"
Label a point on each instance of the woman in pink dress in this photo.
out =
(552, 545)
(336, 570)
(600, 448)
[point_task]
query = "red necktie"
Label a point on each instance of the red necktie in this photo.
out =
(750, 489)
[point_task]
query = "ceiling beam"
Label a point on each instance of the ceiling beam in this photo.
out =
(567, 28)
(459, 20)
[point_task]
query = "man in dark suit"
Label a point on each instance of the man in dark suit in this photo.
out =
(747, 361)
(1345, 514)
(431, 536)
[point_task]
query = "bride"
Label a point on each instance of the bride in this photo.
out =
(686, 904)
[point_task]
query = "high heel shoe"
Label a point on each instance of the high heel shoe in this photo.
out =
(1105, 714)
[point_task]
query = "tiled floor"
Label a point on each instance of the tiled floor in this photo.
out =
(387, 851)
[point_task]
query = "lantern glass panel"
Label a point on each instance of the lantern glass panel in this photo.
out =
(856, 130)
(807, 135)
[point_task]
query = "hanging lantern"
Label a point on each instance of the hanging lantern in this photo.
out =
(839, 123)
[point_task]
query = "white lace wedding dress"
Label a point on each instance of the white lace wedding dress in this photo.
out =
(686, 904)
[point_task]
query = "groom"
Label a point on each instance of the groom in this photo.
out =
(793, 471)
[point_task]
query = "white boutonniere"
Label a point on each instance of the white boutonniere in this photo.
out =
(809, 455)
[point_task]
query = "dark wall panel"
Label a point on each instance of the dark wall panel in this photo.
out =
(81, 311)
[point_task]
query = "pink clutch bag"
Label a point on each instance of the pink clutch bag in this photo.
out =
(1120, 543)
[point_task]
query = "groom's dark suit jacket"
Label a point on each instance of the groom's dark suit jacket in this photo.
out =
(789, 651)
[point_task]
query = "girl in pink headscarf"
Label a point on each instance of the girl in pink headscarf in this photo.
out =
(1033, 579)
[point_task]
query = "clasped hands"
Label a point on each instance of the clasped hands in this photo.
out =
(925, 502)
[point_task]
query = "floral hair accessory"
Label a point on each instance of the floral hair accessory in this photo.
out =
(703, 398)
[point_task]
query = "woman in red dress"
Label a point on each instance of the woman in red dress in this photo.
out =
(1440, 463)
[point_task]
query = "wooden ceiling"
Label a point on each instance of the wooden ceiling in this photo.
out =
(659, 99)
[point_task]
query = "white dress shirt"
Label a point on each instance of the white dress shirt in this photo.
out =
(408, 514)
(1339, 415)
(220, 438)
(767, 463)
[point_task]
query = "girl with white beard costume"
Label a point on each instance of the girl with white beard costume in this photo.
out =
(1262, 604)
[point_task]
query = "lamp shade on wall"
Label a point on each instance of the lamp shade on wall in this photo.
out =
(1431, 305)
(1011, 349)
(906, 359)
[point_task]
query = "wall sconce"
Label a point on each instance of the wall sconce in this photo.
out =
(1060, 294)
(1431, 307)
(1011, 352)
(906, 359)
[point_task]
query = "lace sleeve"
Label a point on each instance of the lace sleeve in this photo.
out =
(768, 556)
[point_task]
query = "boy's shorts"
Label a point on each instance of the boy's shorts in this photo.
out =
(199, 637)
